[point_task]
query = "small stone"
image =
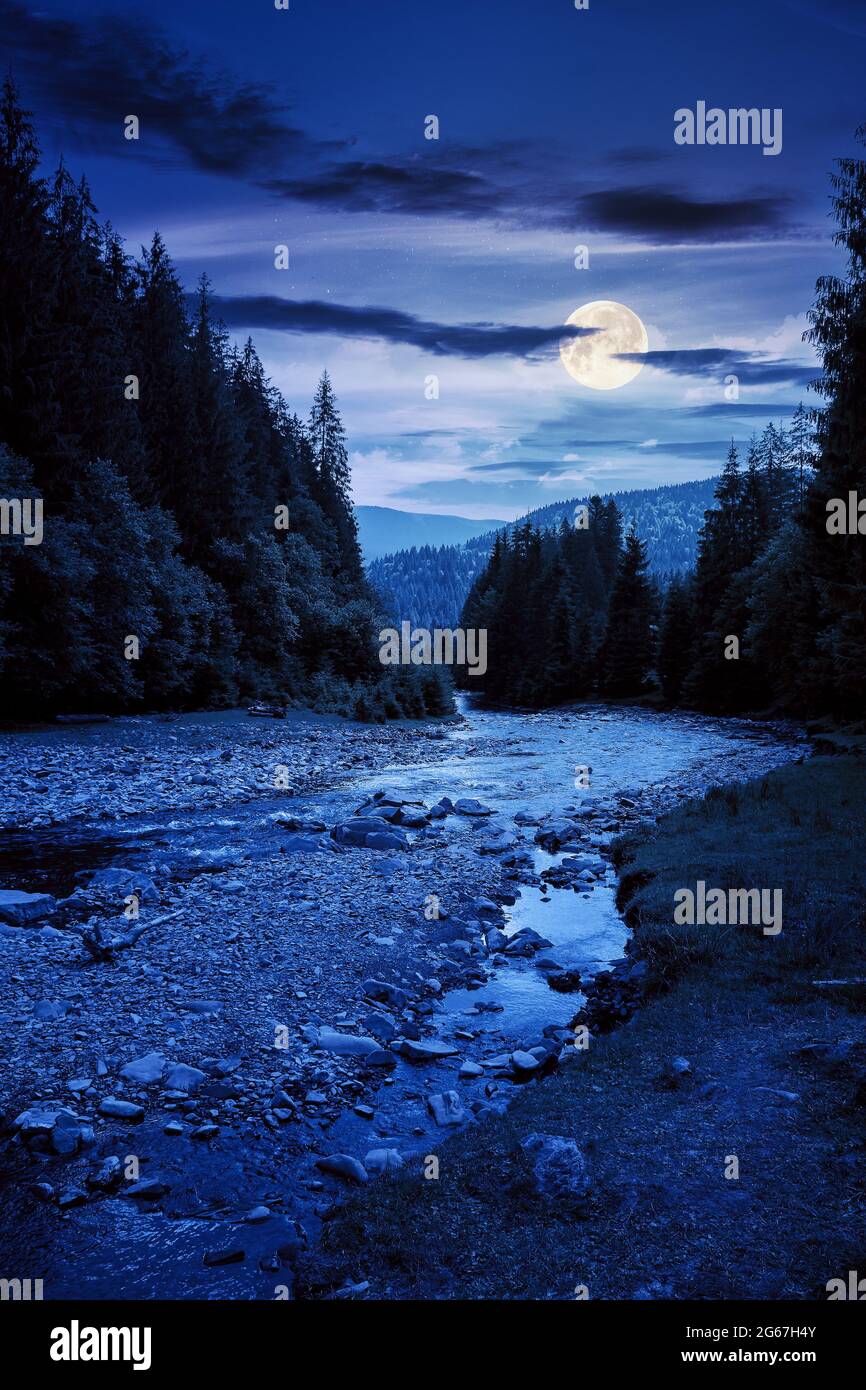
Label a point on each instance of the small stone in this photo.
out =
(676, 1071)
(345, 1044)
(379, 1161)
(49, 1010)
(71, 1197)
(232, 1255)
(121, 1109)
(431, 1050)
(145, 1070)
(380, 1058)
(524, 1062)
(149, 1189)
(181, 1077)
(343, 1166)
(446, 1108)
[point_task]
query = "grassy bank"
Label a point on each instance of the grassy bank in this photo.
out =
(743, 1008)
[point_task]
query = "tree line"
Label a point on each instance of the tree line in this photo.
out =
(199, 544)
(773, 616)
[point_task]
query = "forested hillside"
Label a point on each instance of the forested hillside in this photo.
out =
(728, 636)
(667, 519)
(197, 543)
(428, 585)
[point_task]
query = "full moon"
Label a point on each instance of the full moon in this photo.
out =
(592, 360)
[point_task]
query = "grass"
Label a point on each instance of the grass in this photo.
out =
(801, 829)
(663, 1220)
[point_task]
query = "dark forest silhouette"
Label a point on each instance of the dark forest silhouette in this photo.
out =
(163, 455)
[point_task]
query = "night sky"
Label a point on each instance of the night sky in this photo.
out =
(410, 257)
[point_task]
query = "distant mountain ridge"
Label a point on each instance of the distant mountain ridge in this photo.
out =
(385, 530)
(428, 584)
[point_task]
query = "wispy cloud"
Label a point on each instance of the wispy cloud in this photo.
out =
(749, 368)
(395, 326)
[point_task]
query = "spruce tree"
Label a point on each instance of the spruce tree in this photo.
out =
(333, 488)
(838, 562)
(628, 649)
(674, 656)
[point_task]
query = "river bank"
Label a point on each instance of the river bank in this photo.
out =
(300, 1010)
(713, 1147)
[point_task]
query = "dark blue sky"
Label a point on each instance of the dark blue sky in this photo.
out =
(410, 257)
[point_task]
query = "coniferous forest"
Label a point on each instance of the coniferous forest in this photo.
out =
(185, 506)
(773, 616)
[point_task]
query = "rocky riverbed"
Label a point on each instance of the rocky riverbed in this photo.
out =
(249, 963)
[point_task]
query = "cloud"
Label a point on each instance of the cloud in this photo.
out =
(416, 186)
(668, 215)
(95, 71)
(411, 187)
(749, 368)
(369, 321)
(765, 409)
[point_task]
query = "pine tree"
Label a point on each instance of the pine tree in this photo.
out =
(27, 285)
(802, 447)
(627, 654)
(675, 655)
(160, 361)
(332, 478)
(838, 562)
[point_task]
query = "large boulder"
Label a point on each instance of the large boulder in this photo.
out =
(301, 844)
(21, 909)
(356, 830)
(369, 832)
(468, 806)
(386, 839)
(555, 834)
(559, 1169)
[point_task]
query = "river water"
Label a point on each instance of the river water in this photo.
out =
(512, 762)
